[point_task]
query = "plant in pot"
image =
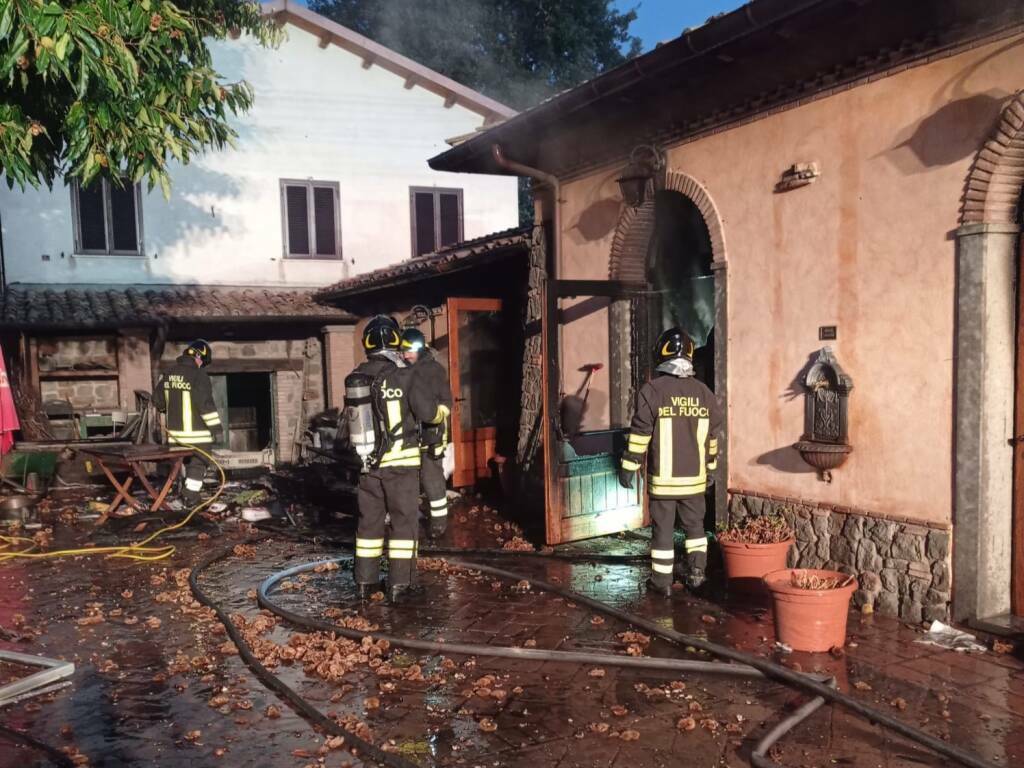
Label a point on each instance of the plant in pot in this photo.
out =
(811, 607)
(753, 547)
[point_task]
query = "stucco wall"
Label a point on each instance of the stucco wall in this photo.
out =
(319, 115)
(867, 247)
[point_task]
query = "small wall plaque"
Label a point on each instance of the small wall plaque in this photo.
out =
(827, 333)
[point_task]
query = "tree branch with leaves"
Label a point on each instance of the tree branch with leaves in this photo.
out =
(119, 88)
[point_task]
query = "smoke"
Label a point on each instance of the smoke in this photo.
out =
(516, 51)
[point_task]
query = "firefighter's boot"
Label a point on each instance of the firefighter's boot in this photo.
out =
(663, 590)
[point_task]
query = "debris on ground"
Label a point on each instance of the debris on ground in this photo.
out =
(946, 636)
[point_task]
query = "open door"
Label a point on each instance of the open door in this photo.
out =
(474, 369)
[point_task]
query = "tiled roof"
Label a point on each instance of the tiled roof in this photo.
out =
(454, 257)
(40, 306)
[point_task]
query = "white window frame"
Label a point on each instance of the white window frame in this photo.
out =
(309, 184)
(436, 192)
(108, 222)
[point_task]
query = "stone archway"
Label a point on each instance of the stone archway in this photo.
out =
(993, 190)
(987, 253)
(628, 259)
(628, 262)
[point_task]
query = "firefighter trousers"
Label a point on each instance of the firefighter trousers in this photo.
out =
(432, 481)
(195, 471)
(394, 492)
(690, 512)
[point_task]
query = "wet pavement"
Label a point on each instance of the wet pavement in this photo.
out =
(158, 683)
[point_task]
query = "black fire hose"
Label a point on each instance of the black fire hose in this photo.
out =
(353, 743)
(466, 649)
(438, 551)
(823, 690)
(769, 668)
(53, 753)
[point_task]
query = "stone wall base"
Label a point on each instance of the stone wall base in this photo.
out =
(903, 567)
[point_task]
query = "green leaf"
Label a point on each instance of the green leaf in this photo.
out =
(6, 20)
(61, 49)
(53, 9)
(165, 186)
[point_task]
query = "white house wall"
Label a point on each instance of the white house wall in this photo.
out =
(318, 115)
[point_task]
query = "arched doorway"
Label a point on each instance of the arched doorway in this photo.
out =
(988, 513)
(682, 288)
(674, 243)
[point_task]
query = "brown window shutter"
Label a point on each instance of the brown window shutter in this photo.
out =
(323, 221)
(451, 219)
(91, 223)
(297, 204)
(425, 237)
(123, 222)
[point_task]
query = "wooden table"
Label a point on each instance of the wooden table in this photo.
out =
(131, 459)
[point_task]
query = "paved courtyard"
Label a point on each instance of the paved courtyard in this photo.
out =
(158, 683)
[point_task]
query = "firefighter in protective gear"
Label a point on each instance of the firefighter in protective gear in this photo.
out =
(185, 394)
(677, 418)
(391, 485)
(432, 376)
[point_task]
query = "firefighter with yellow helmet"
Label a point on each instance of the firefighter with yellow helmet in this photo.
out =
(385, 407)
(676, 427)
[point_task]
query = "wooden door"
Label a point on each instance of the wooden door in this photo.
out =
(1017, 580)
(474, 367)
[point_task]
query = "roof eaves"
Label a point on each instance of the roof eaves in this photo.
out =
(375, 53)
(693, 43)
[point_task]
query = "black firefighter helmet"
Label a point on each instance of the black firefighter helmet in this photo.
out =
(381, 333)
(673, 343)
(201, 349)
(413, 340)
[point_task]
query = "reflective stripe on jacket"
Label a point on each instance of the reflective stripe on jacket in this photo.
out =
(677, 421)
(185, 394)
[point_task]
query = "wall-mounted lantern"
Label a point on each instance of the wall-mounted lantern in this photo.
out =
(798, 175)
(825, 444)
(645, 169)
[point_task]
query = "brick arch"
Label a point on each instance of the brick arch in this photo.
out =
(992, 194)
(628, 259)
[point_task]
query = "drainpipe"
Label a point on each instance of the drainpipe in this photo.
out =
(551, 501)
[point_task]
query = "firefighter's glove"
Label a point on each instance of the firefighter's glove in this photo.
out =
(438, 526)
(626, 477)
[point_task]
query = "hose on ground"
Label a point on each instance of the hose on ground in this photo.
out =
(432, 550)
(770, 669)
(53, 753)
(355, 744)
(571, 657)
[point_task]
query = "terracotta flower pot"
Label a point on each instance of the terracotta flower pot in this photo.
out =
(810, 619)
(751, 562)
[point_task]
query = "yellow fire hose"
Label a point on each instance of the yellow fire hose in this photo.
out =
(138, 551)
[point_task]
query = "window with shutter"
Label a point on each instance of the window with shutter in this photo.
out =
(424, 235)
(107, 218)
(309, 211)
(122, 219)
(323, 219)
(451, 219)
(436, 218)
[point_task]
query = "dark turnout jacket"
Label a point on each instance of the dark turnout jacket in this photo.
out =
(401, 404)
(433, 378)
(677, 421)
(185, 394)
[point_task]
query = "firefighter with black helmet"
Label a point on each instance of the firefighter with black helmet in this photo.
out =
(432, 376)
(676, 425)
(185, 394)
(385, 407)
